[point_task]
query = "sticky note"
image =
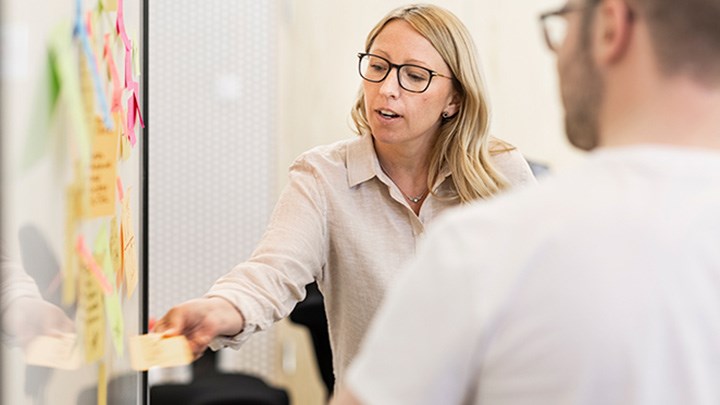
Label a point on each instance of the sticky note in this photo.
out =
(102, 388)
(154, 350)
(113, 311)
(89, 262)
(44, 103)
(103, 171)
(62, 58)
(91, 305)
(110, 5)
(70, 265)
(130, 258)
(61, 351)
(115, 252)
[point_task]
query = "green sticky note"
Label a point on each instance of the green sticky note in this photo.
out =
(113, 313)
(63, 58)
(45, 101)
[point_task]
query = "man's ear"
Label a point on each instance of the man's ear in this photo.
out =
(613, 28)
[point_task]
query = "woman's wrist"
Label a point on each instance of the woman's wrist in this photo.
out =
(227, 317)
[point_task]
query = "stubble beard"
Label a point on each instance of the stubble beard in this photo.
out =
(582, 92)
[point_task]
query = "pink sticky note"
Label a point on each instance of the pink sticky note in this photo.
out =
(89, 262)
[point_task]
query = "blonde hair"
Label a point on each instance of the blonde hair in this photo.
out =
(463, 142)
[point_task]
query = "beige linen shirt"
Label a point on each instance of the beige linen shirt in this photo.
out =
(342, 222)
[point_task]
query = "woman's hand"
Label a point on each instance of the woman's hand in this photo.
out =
(200, 321)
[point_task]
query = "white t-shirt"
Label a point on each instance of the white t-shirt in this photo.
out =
(601, 286)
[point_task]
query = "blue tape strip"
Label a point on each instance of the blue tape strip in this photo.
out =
(81, 32)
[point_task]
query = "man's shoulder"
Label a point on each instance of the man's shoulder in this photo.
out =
(513, 214)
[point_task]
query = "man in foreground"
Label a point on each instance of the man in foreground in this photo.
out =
(600, 286)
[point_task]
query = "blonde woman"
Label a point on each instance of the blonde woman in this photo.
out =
(354, 210)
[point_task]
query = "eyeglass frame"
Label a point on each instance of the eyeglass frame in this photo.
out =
(397, 67)
(567, 8)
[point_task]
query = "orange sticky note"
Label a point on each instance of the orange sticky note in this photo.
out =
(154, 350)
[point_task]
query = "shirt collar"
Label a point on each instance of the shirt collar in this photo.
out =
(362, 161)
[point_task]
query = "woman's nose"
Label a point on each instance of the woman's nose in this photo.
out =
(391, 85)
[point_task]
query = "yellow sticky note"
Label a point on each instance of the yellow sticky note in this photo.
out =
(61, 351)
(130, 259)
(103, 171)
(124, 147)
(102, 384)
(70, 266)
(136, 59)
(91, 304)
(154, 350)
(110, 5)
(81, 203)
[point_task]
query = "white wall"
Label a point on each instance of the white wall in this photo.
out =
(319, 75)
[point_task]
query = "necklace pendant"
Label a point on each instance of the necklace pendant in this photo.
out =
(414, 200)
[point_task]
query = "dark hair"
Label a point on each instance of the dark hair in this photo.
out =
(685, 35)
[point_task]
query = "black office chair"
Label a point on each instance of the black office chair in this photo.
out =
(213, 387)
(208, 387)
(311, 313)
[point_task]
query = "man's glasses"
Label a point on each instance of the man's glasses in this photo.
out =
(554, 25)
(413, 78)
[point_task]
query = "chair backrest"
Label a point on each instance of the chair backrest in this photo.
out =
(311, 313)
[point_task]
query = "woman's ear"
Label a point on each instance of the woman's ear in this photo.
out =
(453, 106)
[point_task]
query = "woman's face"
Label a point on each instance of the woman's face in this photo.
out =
(396, 115)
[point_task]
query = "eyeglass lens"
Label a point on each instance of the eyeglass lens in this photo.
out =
(411, 78)
(555, 30)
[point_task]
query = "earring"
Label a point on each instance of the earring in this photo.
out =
(445, 114)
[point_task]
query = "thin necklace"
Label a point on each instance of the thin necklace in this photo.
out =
(413, 200)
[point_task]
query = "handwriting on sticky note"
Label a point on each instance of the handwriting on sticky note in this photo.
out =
(154, 350)
(103, 171)
(91, 306)
(61, 351)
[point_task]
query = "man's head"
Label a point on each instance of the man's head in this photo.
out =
(675, 38)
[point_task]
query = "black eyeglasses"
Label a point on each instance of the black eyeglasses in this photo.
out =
(554, 25)
(413, 78)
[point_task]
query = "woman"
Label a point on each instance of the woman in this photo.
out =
(353, 211)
